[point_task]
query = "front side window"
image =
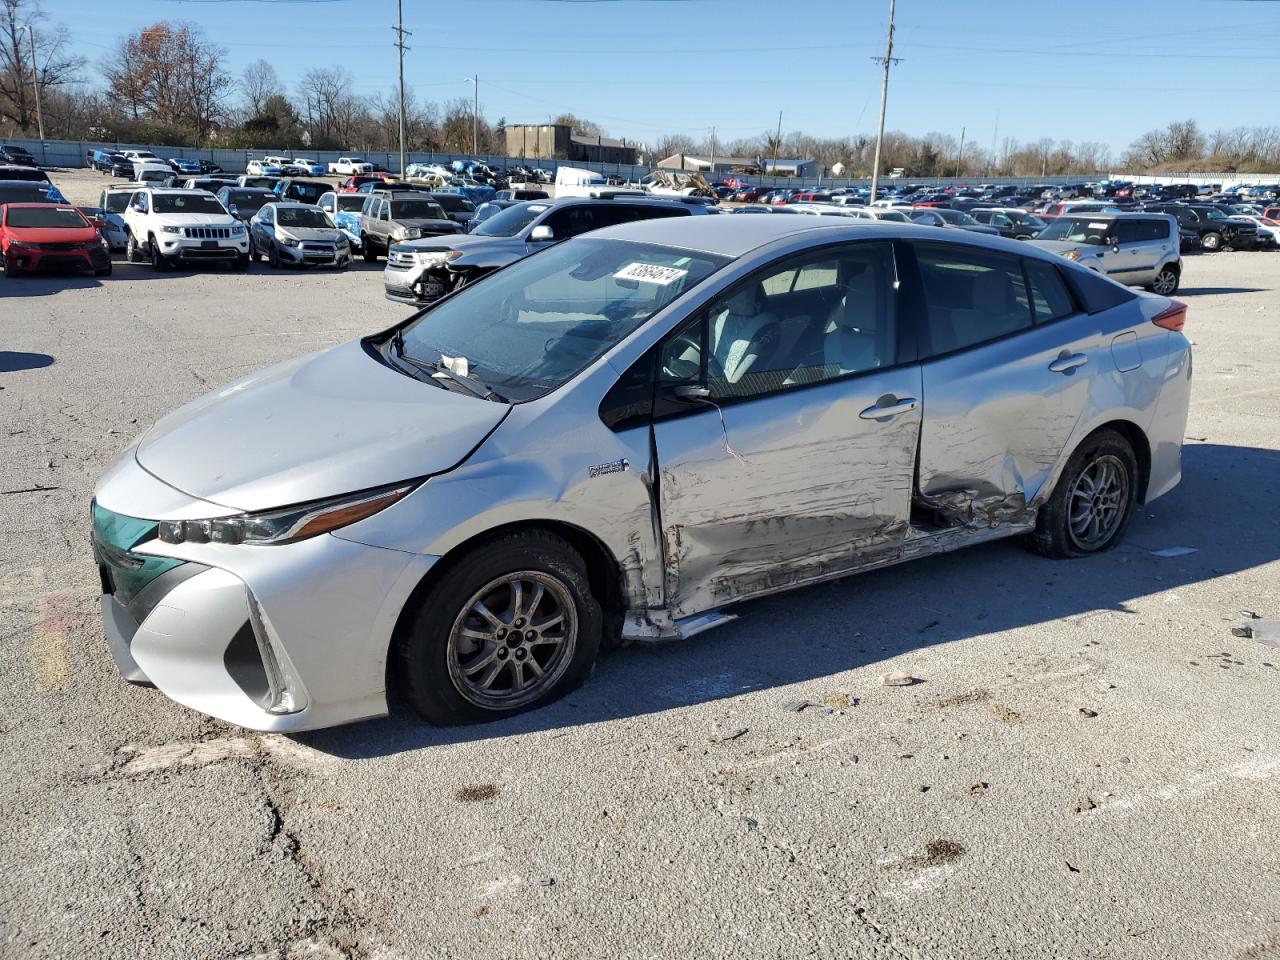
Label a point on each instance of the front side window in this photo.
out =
(809, 320)
(534, 325)
(970, 295)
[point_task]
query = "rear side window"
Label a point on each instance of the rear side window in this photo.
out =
(970, 296)
(1095, 292)
(1050, 298)
(1154, 229)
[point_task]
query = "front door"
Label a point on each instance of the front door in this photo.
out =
(787, 416)
(1008, 362)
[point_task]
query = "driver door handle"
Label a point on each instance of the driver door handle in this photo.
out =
(884, 410)
(1067, 363)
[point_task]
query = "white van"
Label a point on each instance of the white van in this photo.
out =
(573, 182)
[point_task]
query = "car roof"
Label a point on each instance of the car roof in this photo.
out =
(1119, 214)
(63, 206)
(736, 236)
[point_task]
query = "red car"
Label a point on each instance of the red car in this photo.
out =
(35, 236)
(811, 197)
(1272, 212)
(352, 184)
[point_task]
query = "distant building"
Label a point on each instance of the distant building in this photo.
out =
(781, 168)
(557, 141)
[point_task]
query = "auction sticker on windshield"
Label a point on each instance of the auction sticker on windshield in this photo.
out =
(651, 273)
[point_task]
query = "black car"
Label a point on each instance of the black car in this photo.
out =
(243, 202)
(1011, 223)
(303, 191)
(13, 171)
(459, 208)
(1214, 227)
(18, 156)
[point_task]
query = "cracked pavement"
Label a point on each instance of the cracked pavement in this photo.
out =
(1089, 768)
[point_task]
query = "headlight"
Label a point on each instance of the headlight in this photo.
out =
(342, 240)
(1072, 254)
(237, 229)
(411, 233)
(287, 241)
(173, 230)
(431, 258)
(286, 525)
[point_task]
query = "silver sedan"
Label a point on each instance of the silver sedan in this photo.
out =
(616, 440)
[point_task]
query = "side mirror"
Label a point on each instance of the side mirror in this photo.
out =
(541, 234)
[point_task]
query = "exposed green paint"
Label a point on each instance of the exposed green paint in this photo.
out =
(115, 536)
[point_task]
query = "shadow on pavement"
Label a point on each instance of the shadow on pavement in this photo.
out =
(12, 361)
(1225, 507)
(1207, 291)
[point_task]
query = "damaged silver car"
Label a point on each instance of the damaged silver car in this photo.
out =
(617, 439)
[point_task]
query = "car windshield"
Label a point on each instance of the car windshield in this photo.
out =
(454, 203)
(302, 217)
(350, 202)
(416, 210)
(957, 217)
(116, 201)
(1027, 219)
(310, 192)
(187, 203)
(897, 216)
(510, 221)
(1214, 214)
(1074, 230)
(250, 199)
(55, 217)
(533, 326)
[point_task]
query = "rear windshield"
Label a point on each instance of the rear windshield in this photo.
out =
(187, 203)
(58, 217)
(416, 210)
(350, 202)
(24, 193)
(302, 217)
(250, 199)
(310, 192)
(24, 173)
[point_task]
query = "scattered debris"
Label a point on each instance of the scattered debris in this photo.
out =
(978, 787)
(1085, 805)
(547, 882)
(1168, 552)
(799, 706)
(730, 735)
(479, 911)
(936, 853)
(1004, 714)
(485, 791)
(35, 489)
(751, 823)
(899, 679)
(1264, 631)
(1086, 712)
(1073, 869)
(840, 700)
(959, 699)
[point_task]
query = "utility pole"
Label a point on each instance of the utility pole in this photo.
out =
(888, 60)
(401, 33)
(35, 77)
(960, 156)
(713, 151)
(475, 118)
(777, 142)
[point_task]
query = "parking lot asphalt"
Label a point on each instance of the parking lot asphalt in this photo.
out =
(1087, 767)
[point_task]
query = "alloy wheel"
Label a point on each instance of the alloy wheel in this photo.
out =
(513, 640)
(1098, 501)
(1166, 282)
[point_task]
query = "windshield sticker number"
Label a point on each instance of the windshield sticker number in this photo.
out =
(651, 273)
(1097, 226)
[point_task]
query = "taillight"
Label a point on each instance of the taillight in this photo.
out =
(1173, 318)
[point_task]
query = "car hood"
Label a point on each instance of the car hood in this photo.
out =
(468, 243)
(427, 223)
(51, 234)
(1066, 246)
(196, 219)
(321, 234)
(318, 426)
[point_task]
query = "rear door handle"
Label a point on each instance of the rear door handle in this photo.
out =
(887, 407)
(1067, 363)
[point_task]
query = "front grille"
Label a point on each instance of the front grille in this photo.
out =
(206, 233)
(61, 246)
(400, 260)
(123, 572)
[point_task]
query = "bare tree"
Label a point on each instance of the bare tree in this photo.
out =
(53, 68)
(170, 75)
(258, 84)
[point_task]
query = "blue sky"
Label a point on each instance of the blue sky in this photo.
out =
(1084, 70)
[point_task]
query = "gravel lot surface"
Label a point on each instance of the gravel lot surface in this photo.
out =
(1088, 769)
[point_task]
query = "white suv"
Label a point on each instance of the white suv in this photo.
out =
(170, 226)
(350, 166)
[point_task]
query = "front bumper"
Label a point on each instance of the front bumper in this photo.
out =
(405, 280)
(316, 255)
(275, 638)
(223, 249)
(36, 261)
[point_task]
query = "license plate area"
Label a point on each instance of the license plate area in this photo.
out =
(209, 244)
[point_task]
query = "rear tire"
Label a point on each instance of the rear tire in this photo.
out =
(103, 271)
(1092, 504)
(132, 250)
(1166, 282)
(447, 649)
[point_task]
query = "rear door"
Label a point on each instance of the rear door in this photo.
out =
(789, 458)
(1007, 364)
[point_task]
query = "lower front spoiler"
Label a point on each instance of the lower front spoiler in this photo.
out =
(296, 647)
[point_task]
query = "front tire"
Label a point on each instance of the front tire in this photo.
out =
(366, 249)
(512, 625)
(159, 262)
(273, 257)
(1092, 504)
(1211, 242)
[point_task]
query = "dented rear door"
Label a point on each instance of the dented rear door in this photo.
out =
(801, 469)
(1009, 361)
